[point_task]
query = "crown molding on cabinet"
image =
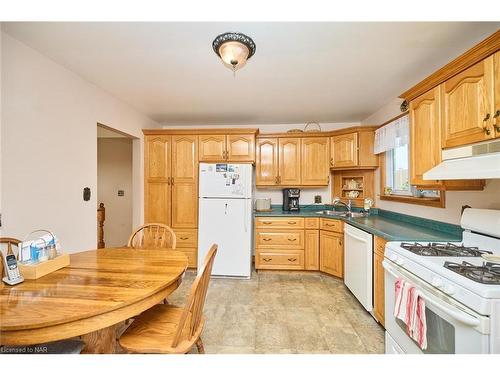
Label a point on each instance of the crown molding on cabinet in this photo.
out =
(477, 53)
(318, 134)
(200, 131)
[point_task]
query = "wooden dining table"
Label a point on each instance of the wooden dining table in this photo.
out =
(89, 298)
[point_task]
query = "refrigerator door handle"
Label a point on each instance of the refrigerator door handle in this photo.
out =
(225, 209)
(246, 218)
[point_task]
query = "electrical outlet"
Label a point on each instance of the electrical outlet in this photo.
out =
(121, 193)
(317, 199)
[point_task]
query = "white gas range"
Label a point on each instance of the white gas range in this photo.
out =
(460, 288)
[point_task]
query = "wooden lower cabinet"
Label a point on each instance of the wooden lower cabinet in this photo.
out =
(378, 280)
(295, 243)
(331, 249)
(280, 259)
(187, 242)
(311, 250)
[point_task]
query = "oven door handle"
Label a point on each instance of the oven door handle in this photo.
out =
(461, 317)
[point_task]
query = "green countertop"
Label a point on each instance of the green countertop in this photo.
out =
(389, 225)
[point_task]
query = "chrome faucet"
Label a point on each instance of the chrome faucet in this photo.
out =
(348, 205)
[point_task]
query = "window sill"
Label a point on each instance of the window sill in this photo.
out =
(424, 201)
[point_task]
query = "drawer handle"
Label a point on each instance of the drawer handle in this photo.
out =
(329, 225)
(266, 239)
(267, 222)
(292, 259)
(292, 239)
(267, 259)
(184, 238)
(292, 222)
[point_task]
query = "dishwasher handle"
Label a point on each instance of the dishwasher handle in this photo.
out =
(350, 234)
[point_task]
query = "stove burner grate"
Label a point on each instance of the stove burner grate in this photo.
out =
(443, 249)
(488, 273)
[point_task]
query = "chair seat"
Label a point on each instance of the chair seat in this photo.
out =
(153, 331)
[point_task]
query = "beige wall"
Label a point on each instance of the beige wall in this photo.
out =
(276, 195)
(49, 148)
(114, 172)
(488, 198)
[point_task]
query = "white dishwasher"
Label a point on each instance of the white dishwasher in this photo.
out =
(358, 264)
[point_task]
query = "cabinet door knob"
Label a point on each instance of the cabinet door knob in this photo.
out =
(487, 117)
(292, 239)
(331, 161)
(172, 181)
(487, 130)
(292, 259)
(497, 113)
(168, 180)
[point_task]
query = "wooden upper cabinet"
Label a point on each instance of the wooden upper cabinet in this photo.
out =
(157, 157)
(185, 158)
(227, 148)
(344, 150)
(468, 105)
(289, 161)
(266, 165)
(212, 148)
(157, 202)
(425, 145)
(315, 154)
(496, 115)
(241, 148)
(184, 181)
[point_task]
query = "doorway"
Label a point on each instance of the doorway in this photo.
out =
(114, 186)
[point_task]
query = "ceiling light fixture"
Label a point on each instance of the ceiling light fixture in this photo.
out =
(234, 49)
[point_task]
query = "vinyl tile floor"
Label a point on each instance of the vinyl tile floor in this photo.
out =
(284, 312)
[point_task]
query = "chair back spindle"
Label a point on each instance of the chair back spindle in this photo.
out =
(193, 311)
(153, 236)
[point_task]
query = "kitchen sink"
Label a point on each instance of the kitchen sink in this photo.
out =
(330, 213)
(341, 213)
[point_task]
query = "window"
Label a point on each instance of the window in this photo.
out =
(397, 170)
(391, 142)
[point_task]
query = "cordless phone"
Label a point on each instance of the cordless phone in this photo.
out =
(13, 276)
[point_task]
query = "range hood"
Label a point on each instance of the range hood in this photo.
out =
(480, 161)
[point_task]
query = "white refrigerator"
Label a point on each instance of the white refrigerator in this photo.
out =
(225, 217)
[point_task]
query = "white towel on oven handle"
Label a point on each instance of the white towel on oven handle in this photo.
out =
(409, 307)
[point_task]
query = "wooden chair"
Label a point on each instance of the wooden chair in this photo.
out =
(169, 329)
(153, 236)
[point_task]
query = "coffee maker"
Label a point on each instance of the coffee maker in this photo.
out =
(291, 199)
